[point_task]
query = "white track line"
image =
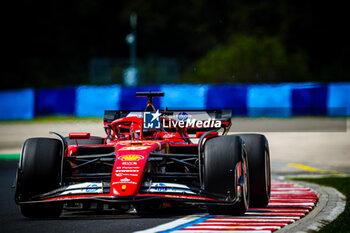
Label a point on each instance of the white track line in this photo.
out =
(233, 231)
(173, 224)
(289, 203)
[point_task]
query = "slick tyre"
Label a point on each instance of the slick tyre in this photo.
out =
(45, 210)
(259, 169)
(39, 172)
(221, 155)
(82, 142)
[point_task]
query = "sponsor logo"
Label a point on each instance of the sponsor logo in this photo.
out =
(126, 168)
(129, 163)
(91, 188)
(131, 157)
(183, 116)
(134, 148)
(122, 182)
(126, 174)
(192, 123)
(125, 180)
(171, 135)
(117, 171)
(151, 120)
(160, 187)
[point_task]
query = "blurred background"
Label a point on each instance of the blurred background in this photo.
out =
(83, 56)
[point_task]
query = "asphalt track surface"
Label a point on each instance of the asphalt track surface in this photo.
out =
(11, 219)
(288, 204)
(310, 148)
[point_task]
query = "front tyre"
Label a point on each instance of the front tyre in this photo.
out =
(38, 173)
(222, 156)
(42, 210)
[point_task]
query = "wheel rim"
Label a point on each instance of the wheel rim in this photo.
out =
(267, 172)
(245, 183)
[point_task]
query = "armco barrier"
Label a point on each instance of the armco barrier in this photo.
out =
(17, 104)
(268, 100)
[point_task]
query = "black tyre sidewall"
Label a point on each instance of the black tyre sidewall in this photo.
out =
(42, 210)
(39, 169)
(221, 155)
(259, 169)
(39, 172)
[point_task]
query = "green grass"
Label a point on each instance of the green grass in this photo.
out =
(9, 156)
(342, 184)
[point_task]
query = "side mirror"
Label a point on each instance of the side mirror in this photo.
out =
(79, 135)
(210, 135)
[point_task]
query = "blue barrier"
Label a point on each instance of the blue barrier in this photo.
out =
(228, 97)
(184, 96)
(309, 100)
(93, 100)
(269, 100)
(338, 100)
(55, 101)
(17, 104)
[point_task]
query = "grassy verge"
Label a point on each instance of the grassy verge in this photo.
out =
(9, 156)
(342, 184)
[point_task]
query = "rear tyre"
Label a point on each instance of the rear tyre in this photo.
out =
(93, 140)
(221, 155)
(39, 172)
(259, 169)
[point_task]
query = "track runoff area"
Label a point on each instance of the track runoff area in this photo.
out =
(289, 203)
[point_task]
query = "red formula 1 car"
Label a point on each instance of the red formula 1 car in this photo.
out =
(148, 158)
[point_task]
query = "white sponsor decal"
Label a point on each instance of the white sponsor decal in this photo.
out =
(128, 168)
(122, 182)
(170, 135)
(126, 174)
(192, 123)
(83, 188)
(126, 171)
(167, 188)
(136, 167)
(129, 163)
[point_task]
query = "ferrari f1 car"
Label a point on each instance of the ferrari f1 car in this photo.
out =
(147, 158)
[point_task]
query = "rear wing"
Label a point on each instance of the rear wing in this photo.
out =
(224, 116)
(182, 115)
